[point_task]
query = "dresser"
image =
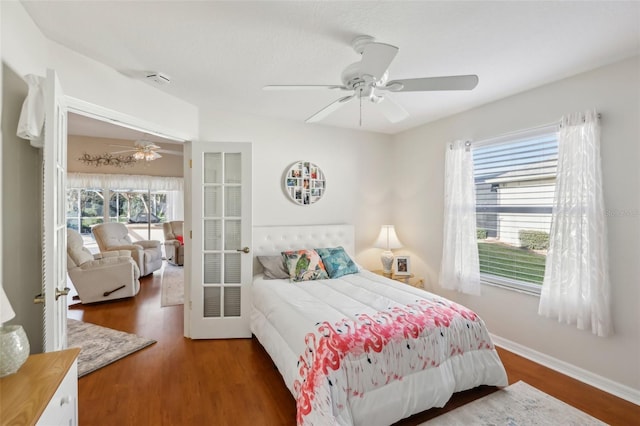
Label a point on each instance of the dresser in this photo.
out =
(43, 392)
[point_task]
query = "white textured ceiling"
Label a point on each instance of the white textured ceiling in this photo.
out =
(221, 54)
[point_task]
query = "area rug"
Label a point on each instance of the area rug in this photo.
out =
(100, 346)
(172, 285)
(516, 405)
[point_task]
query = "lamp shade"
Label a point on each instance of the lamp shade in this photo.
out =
(6, 311)
(388, 239)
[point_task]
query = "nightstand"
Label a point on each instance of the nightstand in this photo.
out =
(43, 392)
(406, 279)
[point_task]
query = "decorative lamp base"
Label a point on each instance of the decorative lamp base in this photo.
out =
(14, 349)
(387, 261)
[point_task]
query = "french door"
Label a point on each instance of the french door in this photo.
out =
(54, 226)
(221, 262)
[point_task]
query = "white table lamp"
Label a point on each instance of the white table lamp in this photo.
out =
(14, 345)
(387, 240)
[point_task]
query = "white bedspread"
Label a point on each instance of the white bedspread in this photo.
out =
(366, 350)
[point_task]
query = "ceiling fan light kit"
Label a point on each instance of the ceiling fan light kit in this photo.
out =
(144, 150)
(368, 80)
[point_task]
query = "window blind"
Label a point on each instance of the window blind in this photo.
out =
(515, 184)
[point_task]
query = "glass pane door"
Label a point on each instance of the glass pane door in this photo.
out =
(222, 222)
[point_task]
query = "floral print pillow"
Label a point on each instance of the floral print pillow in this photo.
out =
(337, 262)
(304, 265)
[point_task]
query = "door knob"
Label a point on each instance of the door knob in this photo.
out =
(244, 250)
(62, 292)
(39, 298)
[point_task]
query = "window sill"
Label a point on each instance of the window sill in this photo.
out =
(520, 287)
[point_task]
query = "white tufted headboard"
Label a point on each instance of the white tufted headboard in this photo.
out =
(272, 240)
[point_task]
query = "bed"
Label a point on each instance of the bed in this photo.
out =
(362, 349)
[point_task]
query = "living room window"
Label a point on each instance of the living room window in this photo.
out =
(143, 203)
(85, 207)
(515, 178)
(137, 206)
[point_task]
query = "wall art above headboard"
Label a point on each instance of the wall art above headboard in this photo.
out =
(304, 182)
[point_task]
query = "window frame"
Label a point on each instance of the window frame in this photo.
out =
(495, 280)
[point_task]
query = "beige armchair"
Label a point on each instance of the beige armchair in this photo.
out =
(100, 277)
(173, 248)
(115, 236)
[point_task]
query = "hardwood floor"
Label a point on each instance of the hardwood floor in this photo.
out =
(179, 381)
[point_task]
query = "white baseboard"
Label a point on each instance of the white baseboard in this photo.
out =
(602, 383)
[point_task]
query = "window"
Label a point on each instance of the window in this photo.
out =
(84, 209)
(515, 180)
(137, 206)
(141, 202)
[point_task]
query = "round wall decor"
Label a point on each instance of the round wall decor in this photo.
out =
(304, 182)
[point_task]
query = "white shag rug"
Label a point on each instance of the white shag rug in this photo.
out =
(100, 346)
(517, 405)
(172, 285)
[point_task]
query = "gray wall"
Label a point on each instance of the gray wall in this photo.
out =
(21, 218)
(614, 91)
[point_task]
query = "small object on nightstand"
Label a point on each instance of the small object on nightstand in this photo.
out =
(402, 278)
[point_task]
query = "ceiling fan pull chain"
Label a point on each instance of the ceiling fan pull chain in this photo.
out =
(360, 106)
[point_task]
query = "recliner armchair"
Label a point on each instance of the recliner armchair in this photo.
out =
(174, 248)
(115, 236)
(100, 277)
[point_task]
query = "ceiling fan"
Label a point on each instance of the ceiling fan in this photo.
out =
(368, 79)
(145, 150)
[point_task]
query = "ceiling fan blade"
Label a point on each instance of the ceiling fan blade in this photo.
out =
(303, 87)
(167, 151)
(143, 144)
(329, 109)
(453, 82)
(392, 110)
(376, 58)
(123, 152)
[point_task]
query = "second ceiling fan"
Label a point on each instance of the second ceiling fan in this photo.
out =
(368, 79)
(145, 150)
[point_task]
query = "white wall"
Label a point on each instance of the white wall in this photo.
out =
(614, 91)
(355, 165)
(26, 51)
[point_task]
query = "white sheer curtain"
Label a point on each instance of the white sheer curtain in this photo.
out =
(175, 205)
(576, 287)
(118, 181)
(460, 268)
(31, 122)
(173, 185)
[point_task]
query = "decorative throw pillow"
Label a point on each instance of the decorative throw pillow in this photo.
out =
(337, 262)
(304, 265)
(273, 267)
(181, 239)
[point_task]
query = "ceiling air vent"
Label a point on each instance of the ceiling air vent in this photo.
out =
(158, 78)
